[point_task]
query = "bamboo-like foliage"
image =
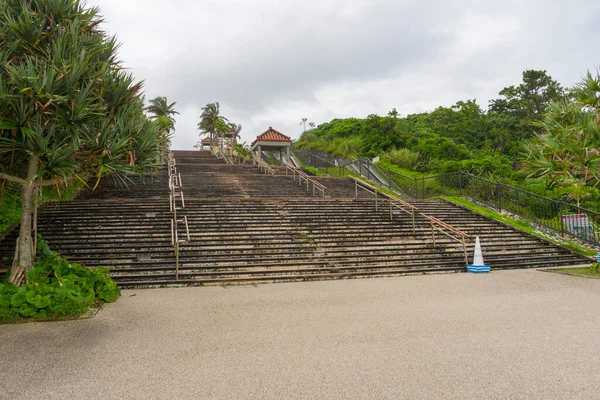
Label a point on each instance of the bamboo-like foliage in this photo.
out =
(67, 108)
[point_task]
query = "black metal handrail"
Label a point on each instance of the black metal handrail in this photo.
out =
(555, 215)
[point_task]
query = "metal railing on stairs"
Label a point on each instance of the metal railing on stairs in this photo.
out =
(436, 224)
(262, 165)
(176, 192)
(222, 154)
(542, 212)
(302, 176)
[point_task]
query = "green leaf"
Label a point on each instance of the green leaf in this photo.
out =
(27, 310)
(30, 296)
(41, 314)
(18, 299)
(5, 300)
(41, 302)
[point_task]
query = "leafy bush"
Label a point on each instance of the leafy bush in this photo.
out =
(56, 288)
(484, 166)
(403, 158)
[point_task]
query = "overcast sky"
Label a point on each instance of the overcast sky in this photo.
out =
(271, 63)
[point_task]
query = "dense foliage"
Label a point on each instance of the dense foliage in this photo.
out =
(536, 135)
(68, 109)
(56, 288)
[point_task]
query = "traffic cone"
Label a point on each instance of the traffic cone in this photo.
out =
(478, 265)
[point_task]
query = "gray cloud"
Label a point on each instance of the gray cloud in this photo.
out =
(272, 62)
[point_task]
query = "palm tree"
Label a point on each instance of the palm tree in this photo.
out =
(233, 134)
(234, 131)
(311, 124)
(211, 123)
(578, 191)
(303, 122)
(159, 106)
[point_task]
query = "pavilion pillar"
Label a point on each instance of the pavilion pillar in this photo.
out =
(288, 155)
(259, 152)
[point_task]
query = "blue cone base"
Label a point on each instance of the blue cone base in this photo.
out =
(478, 268)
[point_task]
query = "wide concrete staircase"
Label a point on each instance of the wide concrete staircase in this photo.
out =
(248, 227)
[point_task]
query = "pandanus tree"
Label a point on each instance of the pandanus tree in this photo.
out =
(67, 109)
(211, 122)
(567, 152)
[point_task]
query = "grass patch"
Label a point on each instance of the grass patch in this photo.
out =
(379, 187)
(519, 224)
(337, 172)
(312, 171)
(591, 271)
(403, 171)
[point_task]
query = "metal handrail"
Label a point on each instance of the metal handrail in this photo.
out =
(174, 184)
(302, 175)
(436, 224)
(262, 165)
(544, 212)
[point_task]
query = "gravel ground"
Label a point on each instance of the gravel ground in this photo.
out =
(511, 334)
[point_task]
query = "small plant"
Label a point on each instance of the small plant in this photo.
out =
(595, 267)
(56, 288)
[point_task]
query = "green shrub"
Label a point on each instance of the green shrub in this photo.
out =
(403, 158)
(56, 288)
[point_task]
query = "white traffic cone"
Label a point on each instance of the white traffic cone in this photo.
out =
(478, 265)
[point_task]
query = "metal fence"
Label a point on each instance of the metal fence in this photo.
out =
(556, 215)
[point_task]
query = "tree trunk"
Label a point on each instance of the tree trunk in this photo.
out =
(24, 252)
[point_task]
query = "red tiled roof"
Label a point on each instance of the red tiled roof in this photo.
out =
(207, 140)
(271, 135)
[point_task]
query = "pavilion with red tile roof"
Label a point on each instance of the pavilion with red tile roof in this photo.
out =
(205, 143)
(274, 141)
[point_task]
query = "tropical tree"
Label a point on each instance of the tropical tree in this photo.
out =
(67, 109)
(162, 112)
(393, 113)
(311, 124)
(567, 152)
(526, 104)
(242, 151)
(211, 122)
(578, 191)
(159, 107)
(303, 122)
(234, 132)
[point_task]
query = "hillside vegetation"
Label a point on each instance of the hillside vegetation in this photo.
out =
(536, 135)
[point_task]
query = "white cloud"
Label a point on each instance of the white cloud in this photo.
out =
(272, 62)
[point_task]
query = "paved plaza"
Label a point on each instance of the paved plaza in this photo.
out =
(509, 334)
